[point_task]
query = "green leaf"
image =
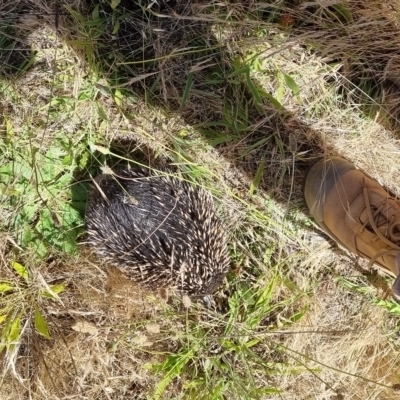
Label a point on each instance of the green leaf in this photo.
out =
(253, 89)
(79, 17)
(173, 366)
(95, 13)
(59, 288)
(102, 113)
(257, 177)
(55, 289)
(263, 305)
(101, 149)
(5, 287)
(299, 315)
(291, 84)
(276, 103)
(45, 223)
(118, 96)
(189, 84)
(116, 27)
(41, 325)
(15, 331)
(20, 270)
(83, 160)
(67, 160)
(114, 3)
(252, 343)
(9, 128)
(28, 211)
(281, 88)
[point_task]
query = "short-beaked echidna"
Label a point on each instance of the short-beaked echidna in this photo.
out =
(159, 230)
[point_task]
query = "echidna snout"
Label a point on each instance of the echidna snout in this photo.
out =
(159, 230)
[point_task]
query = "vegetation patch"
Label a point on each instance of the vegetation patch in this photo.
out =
(240, 99)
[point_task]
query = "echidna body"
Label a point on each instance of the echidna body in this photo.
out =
(159, 230)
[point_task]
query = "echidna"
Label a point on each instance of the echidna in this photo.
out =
(159, 230)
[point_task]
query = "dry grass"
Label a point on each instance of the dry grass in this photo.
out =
(208, 92)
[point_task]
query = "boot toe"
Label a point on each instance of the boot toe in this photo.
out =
(327, 206)
(320, 180)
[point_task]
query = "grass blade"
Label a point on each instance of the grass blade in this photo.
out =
(257, 177)
(41, 324)
(189, 84)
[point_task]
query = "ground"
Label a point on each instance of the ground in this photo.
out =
(240, 98)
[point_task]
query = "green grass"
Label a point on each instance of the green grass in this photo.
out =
(42, 202)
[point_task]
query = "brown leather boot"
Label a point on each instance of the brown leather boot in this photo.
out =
(356, 212)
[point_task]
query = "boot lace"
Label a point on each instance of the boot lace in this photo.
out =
(379, 222)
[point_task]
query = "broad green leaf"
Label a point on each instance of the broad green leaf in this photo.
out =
(280, 92)
(102, 113)
(291, 84)
(83, 160)
(56, 289)
(41, 325)
(67, 160)
(252, 343)
(52, 154)
(118, 96)
(59, 288)
(20, 270)
(2, 318)
(45, 223)
(26, 236)
(40, 248)
(28, 211)
(15, 331)
(95, 13)
(5, 287)
(69, 247)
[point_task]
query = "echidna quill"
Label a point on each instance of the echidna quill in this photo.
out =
(159, 230)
